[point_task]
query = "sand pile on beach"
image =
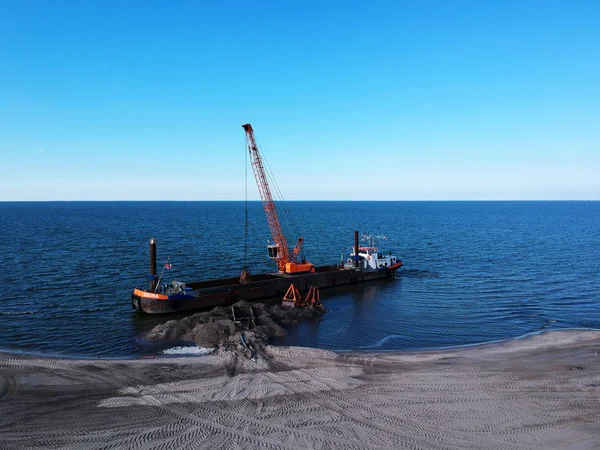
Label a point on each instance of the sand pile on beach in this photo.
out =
(542, 392)
(255, 324)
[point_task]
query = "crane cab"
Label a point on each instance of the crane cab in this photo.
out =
(298, 268)
(288, 266)
(272, 251)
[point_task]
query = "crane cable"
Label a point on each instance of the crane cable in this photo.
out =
(282, 201)
(278, 193)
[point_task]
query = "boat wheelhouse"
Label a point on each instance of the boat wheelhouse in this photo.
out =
(371, 258)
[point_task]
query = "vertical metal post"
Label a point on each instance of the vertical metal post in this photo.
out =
(356, 248)
(153, 264)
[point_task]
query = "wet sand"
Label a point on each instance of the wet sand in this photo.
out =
(542, 392)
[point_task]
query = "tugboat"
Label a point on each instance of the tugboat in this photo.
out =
(364, 264)
(370, 258)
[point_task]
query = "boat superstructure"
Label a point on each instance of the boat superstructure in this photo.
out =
(371, 258)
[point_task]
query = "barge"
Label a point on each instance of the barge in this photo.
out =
(364, 264)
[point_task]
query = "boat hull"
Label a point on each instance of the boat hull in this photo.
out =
(208, 294)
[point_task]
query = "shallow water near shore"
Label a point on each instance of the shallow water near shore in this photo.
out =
(474, 271)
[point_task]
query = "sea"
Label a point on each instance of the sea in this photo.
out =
(474, 272)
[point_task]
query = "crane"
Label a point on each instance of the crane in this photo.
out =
(287, 262)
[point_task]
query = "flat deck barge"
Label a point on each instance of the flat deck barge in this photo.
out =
(227, 291)
(364, 264)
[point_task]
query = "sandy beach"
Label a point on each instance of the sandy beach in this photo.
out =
(541, 392)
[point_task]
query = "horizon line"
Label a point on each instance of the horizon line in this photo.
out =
(311, 200)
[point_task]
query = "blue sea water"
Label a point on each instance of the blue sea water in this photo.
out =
(474, 271)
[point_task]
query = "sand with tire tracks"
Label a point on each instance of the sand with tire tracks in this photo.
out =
(542, 392)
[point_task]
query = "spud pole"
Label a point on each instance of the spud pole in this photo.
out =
(153, 264)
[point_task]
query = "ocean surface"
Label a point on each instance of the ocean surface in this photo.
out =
(473, 272)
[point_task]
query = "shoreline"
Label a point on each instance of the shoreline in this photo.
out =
(5, 352)
(540, 391)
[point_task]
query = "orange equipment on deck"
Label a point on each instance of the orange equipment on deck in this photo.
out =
(292, 298)
(287, 262)
(313, 298)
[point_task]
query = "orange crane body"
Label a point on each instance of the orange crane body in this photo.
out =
(286, 262)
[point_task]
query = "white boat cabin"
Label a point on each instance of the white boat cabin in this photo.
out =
(371, 258)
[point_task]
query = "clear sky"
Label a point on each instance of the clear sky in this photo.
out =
(365, 100)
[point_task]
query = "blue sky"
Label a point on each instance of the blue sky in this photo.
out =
(377, 100)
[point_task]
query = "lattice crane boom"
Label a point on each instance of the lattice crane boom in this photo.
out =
(286, 262)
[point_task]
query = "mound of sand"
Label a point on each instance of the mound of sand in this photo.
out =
(255, 323)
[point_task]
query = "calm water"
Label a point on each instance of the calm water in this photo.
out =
(474, 271)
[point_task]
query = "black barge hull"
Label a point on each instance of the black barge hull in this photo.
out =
(227, 291)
